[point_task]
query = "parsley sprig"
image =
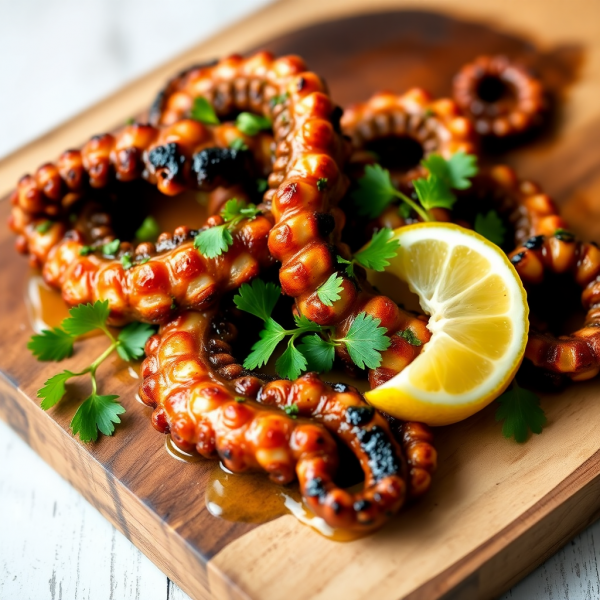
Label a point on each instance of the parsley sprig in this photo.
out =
(251, 124)
(212, 242)
(376, 191)
(98, 413)
(203, 111)
(376, 255)
(521, 412)
(364, 341)
(490, 226)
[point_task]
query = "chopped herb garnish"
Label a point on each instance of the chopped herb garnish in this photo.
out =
(261, 185)
(409, 335)
(203, 111)
(376, 255)
(98, 413)
(521, 412)
(130, 121)
(279, 99)
(148, 231)
(43, 227)
(238, 144)
(239, 399)
(85, 250)
(563, 235)
(322, 184)
(111, 248)
(491, 227)
(292, 410)
(250, 124)
(212, 242)
(126, 261)
(329, 292)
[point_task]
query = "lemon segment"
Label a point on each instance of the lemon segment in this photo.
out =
(478, 319)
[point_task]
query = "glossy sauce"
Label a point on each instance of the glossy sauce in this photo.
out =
(45, 306)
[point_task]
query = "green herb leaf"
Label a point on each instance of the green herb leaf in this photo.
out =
(132, 340)
(238, 144)
(329, 292)
(236, 209)
(262, 185)
(251, 124)
(279, 99)
(111, 248)
(212, 242)
(322, 184)
(319, 353)
(148, 231)
(520, 409)
(382, 247)
(203, 111)
(258, 298)
(454, 172)
(291, 363)
(52, 344)
(85, 250)
(434, 193)
(87, 317)
(374, 192)
(491, 227)
(365, 341)
(126, 261)
(409, 335)
(563, 235)
(97, 413)
(404, 210)
(349, 265)
(43, 227)
(306, 325)
(54, 389)
(270, 336)
(292, 410)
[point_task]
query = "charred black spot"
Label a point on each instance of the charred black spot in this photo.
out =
(359, 415)
(301, 83)
(517, 258)
(362, 505)
(534, 243)
(336, 507)
(175, 241)
(168, 157)
(320, 440)
(377, 445)
(315, 488)
(336, 115)
(219, 166)
(97, 137)
(325, 223)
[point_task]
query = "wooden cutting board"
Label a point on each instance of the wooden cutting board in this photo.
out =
(496, 509)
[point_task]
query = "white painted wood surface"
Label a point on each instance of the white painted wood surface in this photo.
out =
(58, 56)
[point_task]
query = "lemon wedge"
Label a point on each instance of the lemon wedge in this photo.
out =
(478, 320)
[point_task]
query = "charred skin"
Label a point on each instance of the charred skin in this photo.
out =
(501, 97)
(188, 380)
(577, 355)
(435, 126)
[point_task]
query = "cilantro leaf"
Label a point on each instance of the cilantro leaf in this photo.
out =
(212, 242)
(319, 353)
(520, 409)
(329, 292)
(85, 250)
(258, 298)
(365, 341)
(375, 255)
(132, 340)
(148, 231)
(52, 344)
(270, 336)
(409, 335)
(374, 192)
(54, 389)
(291, 363)
(86, 317)
(491, 227)
(238, 144)
(434, 193)
(454, 172)
(126, 261)
(111, 248)
(43, 227)
(279, 99)
(236, 209)
(404, 210)
(306, 325)
(203, 111)
(261, 185)
(292, 410)
(349, 265)
(251, 124)
(97, 413)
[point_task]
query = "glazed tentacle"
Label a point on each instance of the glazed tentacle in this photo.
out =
(576, 355)
(500, 96)
(200, 411)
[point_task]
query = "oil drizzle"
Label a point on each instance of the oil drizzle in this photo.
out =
(45, 306)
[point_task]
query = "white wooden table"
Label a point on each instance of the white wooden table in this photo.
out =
(59, 56)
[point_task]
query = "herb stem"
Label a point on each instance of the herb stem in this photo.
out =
(418, 209)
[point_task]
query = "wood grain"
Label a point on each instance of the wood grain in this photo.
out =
(496, 509)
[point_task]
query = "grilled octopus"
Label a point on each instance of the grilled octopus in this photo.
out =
(223, 412)
(501, 97)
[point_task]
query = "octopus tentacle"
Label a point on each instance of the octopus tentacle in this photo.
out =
(577, 355)
(220, 419)
(500, 96)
